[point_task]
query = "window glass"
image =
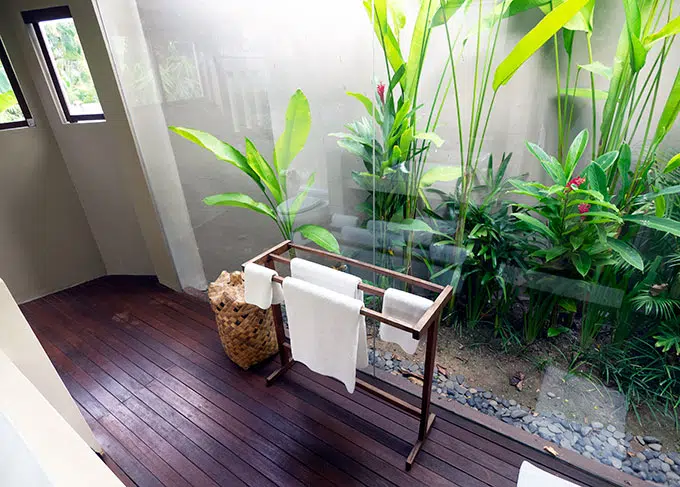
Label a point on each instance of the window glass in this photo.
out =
(10, 111)
(66, 54)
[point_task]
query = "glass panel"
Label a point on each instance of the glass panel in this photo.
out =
(71, 66)
(10, 111)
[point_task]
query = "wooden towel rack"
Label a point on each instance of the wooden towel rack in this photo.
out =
(428, 324)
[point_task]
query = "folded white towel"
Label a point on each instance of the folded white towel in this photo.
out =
(405, 307)
(531, 476)
(259, 288)
(324, 329)
(340, 282)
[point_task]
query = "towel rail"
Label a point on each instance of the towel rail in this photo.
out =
(428, 323)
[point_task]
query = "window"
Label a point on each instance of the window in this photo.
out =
(13, 108)
(66, 64)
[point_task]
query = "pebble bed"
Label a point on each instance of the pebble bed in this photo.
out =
(603, 443)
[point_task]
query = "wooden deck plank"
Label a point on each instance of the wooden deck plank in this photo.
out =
(146, 367)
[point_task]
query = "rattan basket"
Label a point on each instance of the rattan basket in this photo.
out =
(247, 332)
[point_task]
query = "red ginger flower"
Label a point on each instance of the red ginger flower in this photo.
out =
(381, 91)
(577, 181)
(583, 208)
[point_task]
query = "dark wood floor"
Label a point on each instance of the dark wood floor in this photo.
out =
(146, 367)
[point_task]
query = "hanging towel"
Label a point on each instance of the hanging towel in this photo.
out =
(531, 476)
(339, 282)
(324, 329)
(405, 307)
(259, 288)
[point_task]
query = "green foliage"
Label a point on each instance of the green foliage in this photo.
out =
(271, 179)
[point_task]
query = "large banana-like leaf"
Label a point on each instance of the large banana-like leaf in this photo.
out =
(377, 14)
(670, 110)
(239, 200)
(295, 132)
(673, 164)
(597, 179)
(598, 68)
(584, 93)
(634, 29)
(539, 35)
(221, 150)
(365, 101)
(419, 41)
(264, 171)
(320, 236)
(657, 223)
(582, 21)
(7, 99)
(551, 166)
(445, 10)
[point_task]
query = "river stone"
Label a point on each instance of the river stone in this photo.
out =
(597, 425)
(518, 413)
(616, 463)
(654, 446)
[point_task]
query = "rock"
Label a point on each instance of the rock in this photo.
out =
(659, 477)
(589, 448)
(596, 442)
(640, 457)
(460, 379)
(649, 454)
(619, 435)
(616, 463)
(673, 477)
(449, 386)
(655, 464)
(389, 364)
(556, 428)
(612, 441)
(460, 389)
(545, 433)
(518, 413)
(405, 364)
(651, 439)
(387, 355)
(493, 404)
(528, 418)
(550, 395)
(654, 446)
(665, 468)
(512, 402)
(473, 391)
(611, 428)
(585, 430)
(379, 362)
(640, 440)
(597, 425)
(667, 460)
(628, 470)
(414, 368)
(564, 443)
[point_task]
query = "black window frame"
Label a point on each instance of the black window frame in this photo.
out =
(33, 18)
(14, 84)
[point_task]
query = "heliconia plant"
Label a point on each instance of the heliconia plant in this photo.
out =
(269, 177)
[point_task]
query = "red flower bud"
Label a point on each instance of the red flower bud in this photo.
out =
(577, 181)
(381, 91)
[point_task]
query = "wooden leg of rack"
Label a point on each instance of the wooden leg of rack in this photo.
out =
(419, 444)
(279, 372)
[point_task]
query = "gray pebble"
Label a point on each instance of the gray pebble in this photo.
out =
(551, 395)
(612, 441)
(388, 355)
(654, 446)
(619, 435)
(556, 428)
(650, 439)
(518, 413)
(597, 425)
(460, 379)
(616, 463)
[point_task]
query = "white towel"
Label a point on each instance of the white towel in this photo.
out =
(339, 282)
(324, 329)
(531, 476)
(259, 288)
(405, 307)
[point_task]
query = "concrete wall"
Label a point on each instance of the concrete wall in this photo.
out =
(45, 240)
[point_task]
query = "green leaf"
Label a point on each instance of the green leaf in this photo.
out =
(582, 262)
(439, 174)
(568, 305)
(240, 200)
(536, 225)
(292, 211)
(670, 29)
(555, 252)
(221, 150)
(597, 180)
(660, 206)
(551, 166)
(602, 216)
(431, 137)
(295, 131)
(623, 165)
(650, 196)
(607, 159)
(7, 99)
(670, 111)
(575, 152)
(539, 35)
(638, 52)
(410, 225)
(446, 10)
(662, 224)
(320, 236)
(365, 101)
(377, 15)
(627, 253)
(419, 41)
(264, 171)
(556, 331)
(598, 68)
(673, 164)
(584, 93)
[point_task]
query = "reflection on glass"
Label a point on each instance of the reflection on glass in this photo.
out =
(178, 70)
(71, 66)
(10, 111)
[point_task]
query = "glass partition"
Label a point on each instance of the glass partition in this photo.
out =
(525, 153)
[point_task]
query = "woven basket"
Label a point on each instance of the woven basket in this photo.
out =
(247, 332)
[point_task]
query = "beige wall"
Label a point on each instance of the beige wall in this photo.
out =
(45, 240)
(102, 162)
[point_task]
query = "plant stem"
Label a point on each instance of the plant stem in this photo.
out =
(592, 93)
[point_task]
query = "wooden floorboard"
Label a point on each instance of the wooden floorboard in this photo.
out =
(147, 370)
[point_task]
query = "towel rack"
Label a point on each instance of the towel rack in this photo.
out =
(428, 324)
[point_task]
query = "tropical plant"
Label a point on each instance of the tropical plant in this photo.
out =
(270, 178)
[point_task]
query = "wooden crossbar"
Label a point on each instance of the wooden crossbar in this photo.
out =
(428, 323)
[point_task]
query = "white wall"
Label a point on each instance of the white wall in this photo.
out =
(45, 240)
